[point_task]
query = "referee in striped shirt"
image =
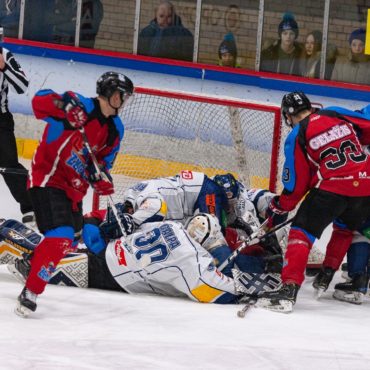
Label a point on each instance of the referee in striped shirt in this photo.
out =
(11, 74)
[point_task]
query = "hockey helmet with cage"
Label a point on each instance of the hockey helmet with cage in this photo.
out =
(229, 183)
(294, 103)
(205, 229)
(110, 82)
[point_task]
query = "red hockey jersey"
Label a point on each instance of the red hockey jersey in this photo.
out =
(61, 160)
(324, 151)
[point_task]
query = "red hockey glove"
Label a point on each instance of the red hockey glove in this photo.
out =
(75, 111)
(101, 182)
(275, 214)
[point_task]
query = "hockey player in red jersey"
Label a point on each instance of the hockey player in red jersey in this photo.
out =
(324, 158)
(62, 170)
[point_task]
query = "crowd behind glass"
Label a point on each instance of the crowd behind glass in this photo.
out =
(324, 39)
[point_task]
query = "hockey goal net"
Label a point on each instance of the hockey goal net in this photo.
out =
(169, 131)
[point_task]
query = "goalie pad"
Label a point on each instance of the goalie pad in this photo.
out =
(255, 284)
(18, 241)
(15, 240)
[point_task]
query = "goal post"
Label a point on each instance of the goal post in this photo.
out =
(170, 131)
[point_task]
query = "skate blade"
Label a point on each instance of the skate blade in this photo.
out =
(318, 293)
(18, 276)
(22, 311)
(284, 306)
(350, 297)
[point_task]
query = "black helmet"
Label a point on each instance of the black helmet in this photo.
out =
(293, 103)
(229, 183)
(109, 82)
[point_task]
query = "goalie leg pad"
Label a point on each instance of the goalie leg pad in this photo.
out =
(254, 284)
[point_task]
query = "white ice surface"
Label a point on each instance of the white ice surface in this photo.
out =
(91, 329)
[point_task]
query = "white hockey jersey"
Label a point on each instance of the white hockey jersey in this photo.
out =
(161, 258)
(171, 198)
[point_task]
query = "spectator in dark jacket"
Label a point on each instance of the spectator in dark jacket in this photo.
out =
(165, 36)
(355, 66)
(283, 56)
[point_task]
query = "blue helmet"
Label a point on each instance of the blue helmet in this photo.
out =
(229, 183)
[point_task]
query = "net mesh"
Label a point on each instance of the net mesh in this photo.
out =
(166, 132)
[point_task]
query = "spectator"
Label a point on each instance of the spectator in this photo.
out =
(309, 64)
(283, 55)
(165, 36)
(354, 67)
(227, 52)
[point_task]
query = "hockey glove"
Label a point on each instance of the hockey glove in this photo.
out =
(75, 111)
(110, 229)
(101, 182)
(239, 223)
(275, 214)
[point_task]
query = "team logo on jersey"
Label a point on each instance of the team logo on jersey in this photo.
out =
(120, 253)
(76, 163)
(140, 186)
(187, 175)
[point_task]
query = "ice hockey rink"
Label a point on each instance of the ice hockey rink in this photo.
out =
(90, 329)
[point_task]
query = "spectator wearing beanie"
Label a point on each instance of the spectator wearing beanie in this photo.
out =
(355, 66)
(283, 55)
(227, 51)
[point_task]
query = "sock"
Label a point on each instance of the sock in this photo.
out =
(46, 257)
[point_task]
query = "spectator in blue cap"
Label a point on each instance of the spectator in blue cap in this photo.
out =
(355, 66)
(227, 51)
(283, 55)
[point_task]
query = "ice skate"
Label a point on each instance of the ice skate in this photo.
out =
(322, 281)
(352, 291)
(26, 303)
(20, 269)
(281, 300)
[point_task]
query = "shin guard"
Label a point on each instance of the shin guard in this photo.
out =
(44, 262)
(296, 257)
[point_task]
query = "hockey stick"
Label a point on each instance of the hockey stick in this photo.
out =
(99, 172)
(14, 171)
(253, 237)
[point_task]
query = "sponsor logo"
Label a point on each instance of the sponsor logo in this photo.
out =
(335, 133)
(187, 175)
(12, 234)
(120, 253)
(46, 272)
(362, 175)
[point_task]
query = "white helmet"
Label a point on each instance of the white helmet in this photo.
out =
(206, 230)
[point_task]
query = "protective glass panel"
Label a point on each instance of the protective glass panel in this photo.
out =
(228, 33)
(346, 42)
(50, 21)
(108, 25)
(9, 17)
(167, 29)
(285, 31)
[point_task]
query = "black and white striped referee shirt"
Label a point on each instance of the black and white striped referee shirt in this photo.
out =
(13, 75)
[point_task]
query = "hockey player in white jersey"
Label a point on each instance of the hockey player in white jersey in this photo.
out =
(175, 198)
(165, 258)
